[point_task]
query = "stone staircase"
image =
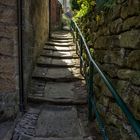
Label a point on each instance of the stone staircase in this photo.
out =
(57, 78)
(58, 96)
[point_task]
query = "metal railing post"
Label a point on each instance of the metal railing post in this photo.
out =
(81, 53)
(89, 81)
(76, 41)
(90, 94)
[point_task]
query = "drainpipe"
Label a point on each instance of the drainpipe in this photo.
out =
(49, 18)
(20, 56)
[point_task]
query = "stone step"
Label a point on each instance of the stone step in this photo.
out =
(62, 54)
(57, 74)
(62, 36)
(37, 87)
(50, 122)
(61, 41)
(54, 62)
(58, 121)
(57, 65)
(61, 93)
(60, 57)
(59, 48)
(60, 44)
(66, 138)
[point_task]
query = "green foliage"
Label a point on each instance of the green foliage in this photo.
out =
(85, 6)
(74, 5)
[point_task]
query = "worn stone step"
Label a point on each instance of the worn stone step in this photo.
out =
(62, 93)
(66, 138)
(59, 48)
(37, 87)
(54, 62)
(60, 57)
(58, 53)
(61, 36)
(39, 99)
(61, 41)
(57, 74)
(58, 122)
(60, 44)
(57, 65)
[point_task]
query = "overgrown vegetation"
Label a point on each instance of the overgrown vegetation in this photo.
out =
(87, 11)
(82, 8)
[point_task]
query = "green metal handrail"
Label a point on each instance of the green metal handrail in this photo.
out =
(80, 45)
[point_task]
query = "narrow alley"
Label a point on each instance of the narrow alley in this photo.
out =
(57, 103)
(70, 70)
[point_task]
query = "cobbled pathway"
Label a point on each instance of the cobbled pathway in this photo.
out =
(58, 98)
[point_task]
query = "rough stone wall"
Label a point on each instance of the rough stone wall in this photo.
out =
(8, 60)
(36, 31)
(116, 41)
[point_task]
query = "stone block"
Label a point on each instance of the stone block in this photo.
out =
(7, 82)
(116, 110)
(58, 121)
(100, 88)
(116, 26)
(135, 106)
(110, 69)
(120, 1)
(104, 100)
(11, 3)
(7, 65)
(134, 89)
(129, 75)
(9, 32)
(130, 39)
(114, 57)
(111, 119)
(133, 60)
(8, 15)
(129, 11)
(132, 22)
(107, 42)
(122, 87)
(6, 47)
(103, 30)
(116, 12)
(8, 105)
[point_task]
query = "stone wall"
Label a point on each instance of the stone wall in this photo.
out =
(8, 60)
(116, 42)
(35, 33)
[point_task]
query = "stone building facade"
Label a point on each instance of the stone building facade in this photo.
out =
(8, 60)
(35, 33)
